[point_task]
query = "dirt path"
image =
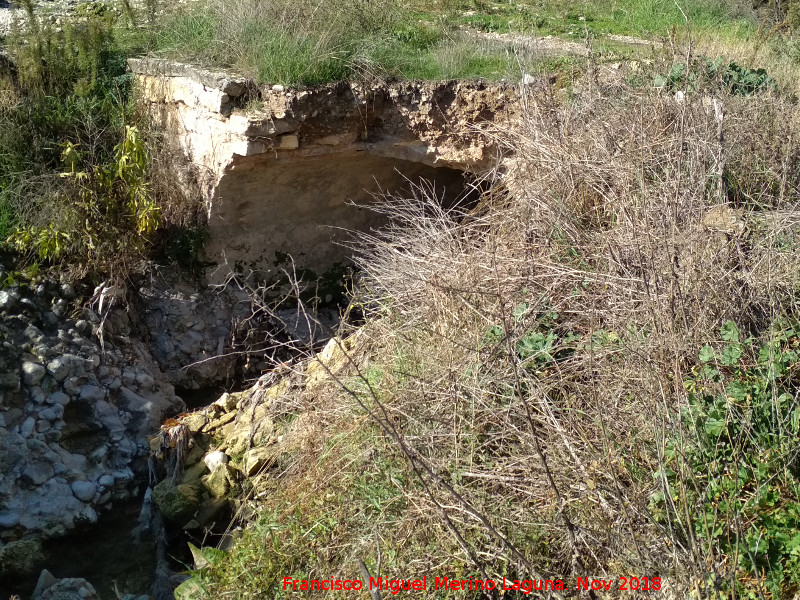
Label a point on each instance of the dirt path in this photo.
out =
(551, 45)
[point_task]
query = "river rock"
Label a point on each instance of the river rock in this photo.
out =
(9, 381)
(32, 373)
(91, 393)
(218, 483)
(66, 365)
(8, 520)
(69, 589)
(58, 398)
(195, 421)
(52, 414)
(8, 300)
(194, 473)
(87, 515)
(214, 459)
(27, 427)
(38, 472)
(66, 428)
(258, 459)
(67, 291)
(227, 402)
(190, 329)
(84, 490)
(45, 581)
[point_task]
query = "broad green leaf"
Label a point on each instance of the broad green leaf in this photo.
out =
(730, 333)
(493, 335)
(706, 353)
(206, 557)
(714, 427)
(191, 589)
(731, 355)
(520, 310)
(738, 390)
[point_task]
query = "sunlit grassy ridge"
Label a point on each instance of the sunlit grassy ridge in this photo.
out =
(622, 17)
(311, 42)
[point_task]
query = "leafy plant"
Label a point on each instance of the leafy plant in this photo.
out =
(112, 203)
(705, 72)
(73, 178)
(735, 469)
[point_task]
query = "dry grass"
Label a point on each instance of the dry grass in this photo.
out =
(523, 361)
(550, 332)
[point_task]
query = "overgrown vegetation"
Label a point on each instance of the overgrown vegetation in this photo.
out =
(592, 373)
(704, 73)
(624, 17)
(311, 42)
(79, 184)
(69, 174)
(737, 471)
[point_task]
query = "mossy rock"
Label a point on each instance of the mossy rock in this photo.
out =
(21, 557)
(178, 503)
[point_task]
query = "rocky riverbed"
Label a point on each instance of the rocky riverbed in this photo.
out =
(78, 398)
(87, 390)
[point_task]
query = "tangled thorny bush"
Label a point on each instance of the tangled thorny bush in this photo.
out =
(542, 344)
(591, 372)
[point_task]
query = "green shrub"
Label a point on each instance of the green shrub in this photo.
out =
(73, 169)
(705, 73)
(110, 207)
(735, 469)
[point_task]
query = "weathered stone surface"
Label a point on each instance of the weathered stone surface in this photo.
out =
(9, 381)
(91, 393)
(226, 83)
(70, 589)
(21, 557)
(218, 483)
(27, 427)
(261, 171)
(8, 300)
(58, 398)
(217, 423)
(67, 365)
(213, 459)
(226, 402)
(32, 373)
(194, 473)
(45, 581)
(38, 472)
(331, 361)
(14, 450)
(191, 330)
(63, 431)
(195, 421)
(258, 459)
(84, 490)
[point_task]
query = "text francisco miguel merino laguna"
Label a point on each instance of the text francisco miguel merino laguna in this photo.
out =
(395, 586)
